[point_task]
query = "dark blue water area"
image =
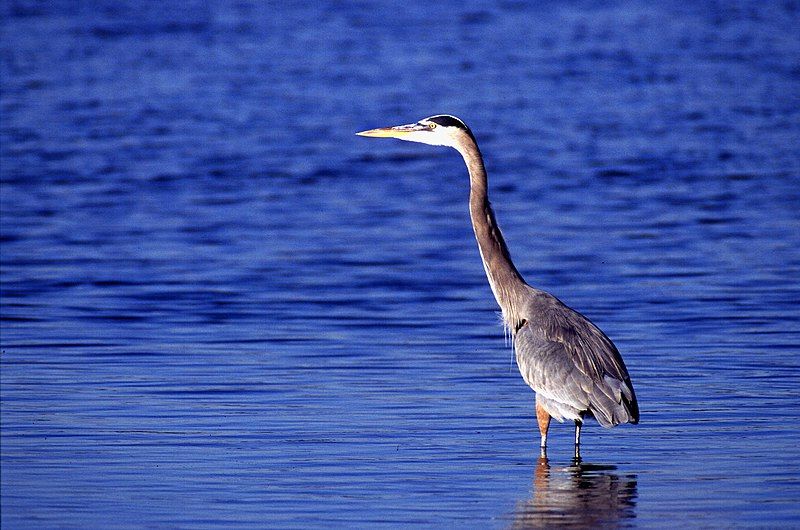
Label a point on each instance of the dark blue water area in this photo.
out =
(221, 308)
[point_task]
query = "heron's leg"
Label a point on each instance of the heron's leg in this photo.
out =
(543, 417)
(578, 425)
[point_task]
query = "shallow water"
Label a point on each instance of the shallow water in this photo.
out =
(221, 308)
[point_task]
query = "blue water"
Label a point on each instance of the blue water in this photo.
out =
(222, 308)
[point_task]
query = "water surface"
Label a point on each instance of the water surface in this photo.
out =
(221, 308)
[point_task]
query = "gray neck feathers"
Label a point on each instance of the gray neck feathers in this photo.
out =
(506, 282)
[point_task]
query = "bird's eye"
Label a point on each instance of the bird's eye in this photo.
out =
(431, 126)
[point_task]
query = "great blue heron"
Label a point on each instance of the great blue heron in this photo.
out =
(574, 368)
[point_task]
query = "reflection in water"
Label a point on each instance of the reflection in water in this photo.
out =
(581, 495)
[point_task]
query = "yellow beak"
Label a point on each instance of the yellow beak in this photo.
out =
(390, 132)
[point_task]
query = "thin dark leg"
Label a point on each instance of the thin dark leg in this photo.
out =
(578, 425)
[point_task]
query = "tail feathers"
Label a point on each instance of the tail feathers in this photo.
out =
(613, 402)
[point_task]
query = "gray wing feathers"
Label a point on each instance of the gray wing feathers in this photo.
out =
(570, 363)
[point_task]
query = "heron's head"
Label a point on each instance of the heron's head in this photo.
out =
(442, 129)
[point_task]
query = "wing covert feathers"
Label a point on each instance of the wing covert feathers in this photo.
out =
(573, 367)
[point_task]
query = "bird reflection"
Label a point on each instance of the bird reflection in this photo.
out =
(581, 495)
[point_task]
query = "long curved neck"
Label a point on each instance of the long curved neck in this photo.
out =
(506, 282)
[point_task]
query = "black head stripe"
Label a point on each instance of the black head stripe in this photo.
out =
(448, 121)
(445, 120)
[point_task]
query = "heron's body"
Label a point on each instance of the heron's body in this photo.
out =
(574, 368)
